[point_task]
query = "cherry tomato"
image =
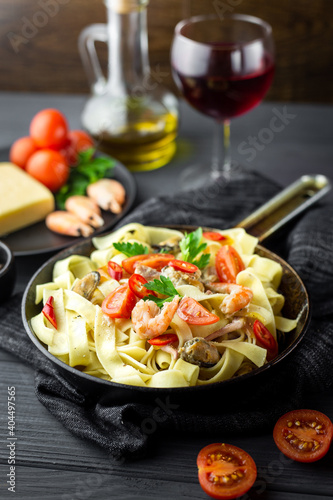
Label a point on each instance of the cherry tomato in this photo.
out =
(48, 311)
(154, 260)
(165, 339)
(49, 129)
(49, 167)
(211, 235)
(119, 303)
(225, 471)
(303, 435)
(137, 285)
(194, 313)
(78, 141)
(21, 151)
(181, 265)
(265, 339)
(114, 270)
(228, 264)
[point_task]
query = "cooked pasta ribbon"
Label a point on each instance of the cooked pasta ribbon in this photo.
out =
(112, 349)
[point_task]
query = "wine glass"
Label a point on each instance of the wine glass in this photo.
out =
(224, 68)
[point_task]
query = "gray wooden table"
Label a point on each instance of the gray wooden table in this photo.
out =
(282, 141)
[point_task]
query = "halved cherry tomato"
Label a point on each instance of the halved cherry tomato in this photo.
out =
(21, 151)
(114, 270)
(194, 313)
(155, 260)
(303, 435)
(182, 265)
(211, 235)
(48, 311)
(225, 471)
(49, 167)
(165, 339)
(49, 129)
(228, 264)
(119, 303)
(265, 339)
(136, 284)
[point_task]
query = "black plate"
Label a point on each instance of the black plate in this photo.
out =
(201, 398)
(37, 238)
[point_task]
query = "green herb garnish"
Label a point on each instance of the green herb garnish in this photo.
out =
(191, 246)
(89, 169)
(163, 286)
(131, 249)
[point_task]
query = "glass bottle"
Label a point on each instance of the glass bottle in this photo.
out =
(130, 114)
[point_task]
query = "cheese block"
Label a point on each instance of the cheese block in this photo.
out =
(23, 199)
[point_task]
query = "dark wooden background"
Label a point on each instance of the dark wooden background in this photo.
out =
(47, 60)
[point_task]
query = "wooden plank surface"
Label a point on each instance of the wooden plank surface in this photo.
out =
(38, 43)
(43, 443)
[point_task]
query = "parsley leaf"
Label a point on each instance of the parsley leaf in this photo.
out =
(190, 247)
(88, 170)
(163, 286)
(131, 249)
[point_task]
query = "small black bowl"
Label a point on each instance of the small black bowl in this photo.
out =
(7, 272)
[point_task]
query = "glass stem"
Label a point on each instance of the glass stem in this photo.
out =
(221, 161)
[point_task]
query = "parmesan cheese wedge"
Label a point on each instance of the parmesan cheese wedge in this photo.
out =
(23, 200)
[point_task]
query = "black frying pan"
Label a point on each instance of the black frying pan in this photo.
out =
(261, 224)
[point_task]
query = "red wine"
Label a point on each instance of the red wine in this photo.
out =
(220, 93)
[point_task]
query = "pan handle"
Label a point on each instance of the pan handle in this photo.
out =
(283, 207)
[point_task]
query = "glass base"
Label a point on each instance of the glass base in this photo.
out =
(199, 176)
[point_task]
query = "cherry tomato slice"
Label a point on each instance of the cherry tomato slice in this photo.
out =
(225, 471)
(136, 284)
(114, 270)
(182, 265)
(119, 303)
(155, 260)
(48, 311)
(165, 339)
(213, 236)
(194, 313)
(303, 435)
(228, 264)
(265, 339)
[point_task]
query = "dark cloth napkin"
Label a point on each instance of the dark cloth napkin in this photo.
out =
(123, 430)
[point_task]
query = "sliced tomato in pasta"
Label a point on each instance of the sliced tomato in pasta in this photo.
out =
(191, 311)
(228, 264)
(119, 303)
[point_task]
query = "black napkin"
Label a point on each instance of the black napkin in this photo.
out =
(125, 431)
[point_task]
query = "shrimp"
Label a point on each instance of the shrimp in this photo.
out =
(66, 223)
(85, 209)
(149, 320)
(237, 298)
(108, 194)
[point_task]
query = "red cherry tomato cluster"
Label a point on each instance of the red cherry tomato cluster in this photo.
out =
(50, 150)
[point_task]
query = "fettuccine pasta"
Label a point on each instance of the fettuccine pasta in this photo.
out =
(171, 310)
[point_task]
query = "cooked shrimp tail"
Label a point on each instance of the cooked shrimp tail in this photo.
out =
(63, 222)
(149, 320)
(85, 209)
(108, 194)
(237, 298)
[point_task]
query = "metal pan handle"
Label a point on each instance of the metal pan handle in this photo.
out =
(286, 205)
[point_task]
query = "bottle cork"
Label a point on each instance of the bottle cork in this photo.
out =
(126, 6)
